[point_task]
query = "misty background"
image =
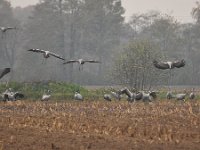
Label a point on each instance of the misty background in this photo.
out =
(98, 29)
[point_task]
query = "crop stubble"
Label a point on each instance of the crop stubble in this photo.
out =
(100, 125)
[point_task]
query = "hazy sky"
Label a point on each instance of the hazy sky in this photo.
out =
(181, 9)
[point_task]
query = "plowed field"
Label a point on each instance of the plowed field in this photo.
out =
(99, 125)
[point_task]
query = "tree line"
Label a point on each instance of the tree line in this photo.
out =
(96, 29)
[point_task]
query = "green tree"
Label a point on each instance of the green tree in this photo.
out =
(141, 22)
(196, 12)
(102, 28)
(73, 28)
(164, 32)
(6, 14)
(134, 67)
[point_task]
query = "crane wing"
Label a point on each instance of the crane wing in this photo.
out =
(4, 72)
(37, 50)
(179, 64)
(160, 65)
(92, 61)
(138, 96)
(9, 28)
(4, 29)
(18, 95)
(70, 61)
(56, 55)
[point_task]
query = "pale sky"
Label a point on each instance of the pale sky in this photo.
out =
(181, 9)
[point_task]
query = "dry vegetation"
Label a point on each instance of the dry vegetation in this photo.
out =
(99, 125)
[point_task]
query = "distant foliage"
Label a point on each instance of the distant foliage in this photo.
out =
(133, 66)
(96, 29)
(196, 12)
(88, 29)
(34, 91)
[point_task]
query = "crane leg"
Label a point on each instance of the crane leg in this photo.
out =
(170, 78)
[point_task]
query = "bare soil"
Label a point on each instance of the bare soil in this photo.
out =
(99, 125)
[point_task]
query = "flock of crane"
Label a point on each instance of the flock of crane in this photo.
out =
(149, 96)
(145, 96)
(131, 96)
(10, 95)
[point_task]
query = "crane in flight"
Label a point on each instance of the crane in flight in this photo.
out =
(81, 62)
(4, 29)
(46, 54)
(169, 64)
(4, 71)
(164, 65)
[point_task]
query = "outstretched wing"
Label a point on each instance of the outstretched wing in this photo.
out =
(18, 95)
(138, 96)
(179, 64)
(153, 94)
(4, 72)
(4, 29)
(10, 28)
(56, 55)
(92, 61)
(70, 61)
(160, 65)
(37, 50)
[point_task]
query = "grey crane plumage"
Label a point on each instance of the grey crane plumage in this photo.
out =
(180, 96)
(46, 96)
(46, 53)
(131, 96)
(138, 96)
(4, 71)
(169, 95)
(9, 95)
(149, 96)
(169, 64)
(107, 97)
(4, 29)
(81, 62)
(116, 95)
(192, 94)
(78, 96)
